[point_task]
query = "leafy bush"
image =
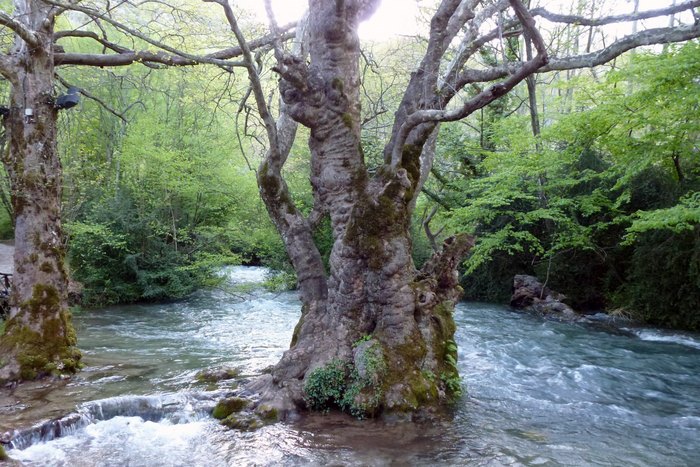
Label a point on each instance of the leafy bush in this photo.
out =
(603, 205)
(325, 386)
(663, 279)
(364, 392)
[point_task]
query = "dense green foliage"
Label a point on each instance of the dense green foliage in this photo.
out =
(603, 205)
(325, 387)
(155, 207)
(342, 385)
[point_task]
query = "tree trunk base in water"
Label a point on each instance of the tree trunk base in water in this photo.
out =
(400, 363)
(28, 354)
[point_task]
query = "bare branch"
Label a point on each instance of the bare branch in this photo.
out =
(483, 98)
(90, 35)
(133, 32)
(90, 96)
(471, 43)
(253, 75)
(289, 221)
(127, 57)
(584, 21)
(617, 48)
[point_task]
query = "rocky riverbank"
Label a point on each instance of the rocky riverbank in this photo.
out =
(532, 296)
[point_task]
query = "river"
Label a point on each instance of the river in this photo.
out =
(536, 393)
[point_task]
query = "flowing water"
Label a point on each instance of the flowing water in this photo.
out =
(537, 393)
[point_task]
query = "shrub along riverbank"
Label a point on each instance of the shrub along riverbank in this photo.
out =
(602, 202)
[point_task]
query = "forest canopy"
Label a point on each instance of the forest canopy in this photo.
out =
(160, 186)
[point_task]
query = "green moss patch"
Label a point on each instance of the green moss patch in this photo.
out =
(243, 421)
(51, 349)
(3, 454)
(267, 413)
(216, 375)
(226, 407)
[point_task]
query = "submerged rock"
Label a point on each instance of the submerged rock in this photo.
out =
(531, 295)
(267, 413)
(242, 414)
(244, 421)
(5, 459)
(226, 407)
(214, 375)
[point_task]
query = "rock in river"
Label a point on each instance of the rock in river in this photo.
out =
(531, 295)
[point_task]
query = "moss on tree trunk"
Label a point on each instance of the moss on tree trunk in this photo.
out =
(39, 339)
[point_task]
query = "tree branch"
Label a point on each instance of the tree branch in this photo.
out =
(483, 98)
(125, 56)
(584, 21)
(289, 221)
(420, 92)
(90, 35)
(21, 30)
(617, 48)
(90, 96)
(471, 42)
(249, 63)
(167, 60)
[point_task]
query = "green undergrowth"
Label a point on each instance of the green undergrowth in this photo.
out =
(359, 387)
(353, 387)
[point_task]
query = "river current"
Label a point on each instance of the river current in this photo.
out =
(536, 393)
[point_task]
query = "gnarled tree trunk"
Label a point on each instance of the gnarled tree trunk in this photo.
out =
(387, 326)
(38, 338)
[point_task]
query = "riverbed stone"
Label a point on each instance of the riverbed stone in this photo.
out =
(244, 421)
(226, 407)
(267, 412)
(529, 294)
(215, 375)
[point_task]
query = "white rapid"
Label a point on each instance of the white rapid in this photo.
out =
(536, 393)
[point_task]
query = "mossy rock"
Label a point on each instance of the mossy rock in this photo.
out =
(3, 454)
(267, 413)
(217, 374)
(226, 407)
(243, 421)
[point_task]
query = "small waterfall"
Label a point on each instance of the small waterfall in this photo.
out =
(48, 430)
(177, 408)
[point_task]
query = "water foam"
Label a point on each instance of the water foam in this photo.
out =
(660, 336)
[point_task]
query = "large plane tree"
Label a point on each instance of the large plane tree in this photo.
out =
(376, 334)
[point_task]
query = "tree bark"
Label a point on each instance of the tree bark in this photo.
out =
(39, 338)
(389, 325)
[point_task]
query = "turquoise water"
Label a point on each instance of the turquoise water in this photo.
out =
(536, 393)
